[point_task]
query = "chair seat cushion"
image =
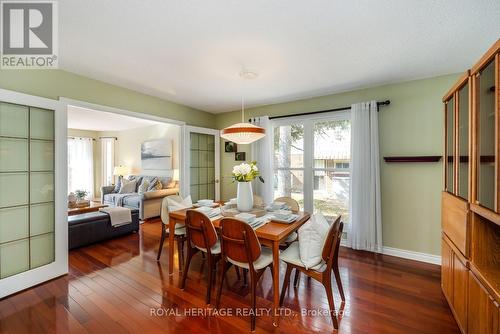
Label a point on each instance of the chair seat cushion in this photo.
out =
(265, 259)
(292, 237)
(214, 250)
(180, 230)
(291, 255)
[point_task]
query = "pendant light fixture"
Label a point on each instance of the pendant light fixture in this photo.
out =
(243, 133)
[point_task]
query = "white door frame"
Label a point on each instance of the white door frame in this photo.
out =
(97, 107)
(59, 267)
(187, 129)
(308, 122)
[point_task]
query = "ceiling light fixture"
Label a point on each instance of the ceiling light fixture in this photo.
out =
(244, 133)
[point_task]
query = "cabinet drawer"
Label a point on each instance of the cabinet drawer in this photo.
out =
(455, 221)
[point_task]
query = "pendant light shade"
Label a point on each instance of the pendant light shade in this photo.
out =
(243, 133)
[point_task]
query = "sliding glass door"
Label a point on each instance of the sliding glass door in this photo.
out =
(32, 199)
(312, 162)
(201, 167)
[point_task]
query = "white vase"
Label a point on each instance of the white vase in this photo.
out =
(244, 198)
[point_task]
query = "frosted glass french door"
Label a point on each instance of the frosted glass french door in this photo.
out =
(202, 163)
(26, 188)
(312, 162)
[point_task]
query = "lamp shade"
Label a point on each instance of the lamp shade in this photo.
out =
(121, 170)
(243, 133)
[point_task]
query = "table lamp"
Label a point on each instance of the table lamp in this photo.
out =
(121, 170)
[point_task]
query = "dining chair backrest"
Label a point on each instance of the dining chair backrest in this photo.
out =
(257, 200)
(164, 207)
(239, 241)
(332, 242)
(290, 202)
(200, 230)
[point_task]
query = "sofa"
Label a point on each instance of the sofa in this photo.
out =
(92, 227)
(148, 203)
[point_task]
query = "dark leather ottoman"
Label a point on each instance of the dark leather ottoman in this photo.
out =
(88, 228)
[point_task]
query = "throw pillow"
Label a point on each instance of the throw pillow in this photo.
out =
(143, 187)
(158, 186)
(312, 237)
(118, 184)
(152, 183)
(127, 187)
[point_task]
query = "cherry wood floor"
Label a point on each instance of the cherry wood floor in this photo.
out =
(118, 287)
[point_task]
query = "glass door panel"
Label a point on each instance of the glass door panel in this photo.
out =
(331, 170)
(289, 162)
(202, 166)
(289, 183)
(13, 120)
(26, 188)
(463, 142)
(486, 120)
(450, 160)
(289, 146)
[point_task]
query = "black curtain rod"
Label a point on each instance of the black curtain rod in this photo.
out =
(382, 103)
(115, 138)
(70, 137)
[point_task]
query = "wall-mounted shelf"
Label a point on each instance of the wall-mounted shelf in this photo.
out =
(405, 159)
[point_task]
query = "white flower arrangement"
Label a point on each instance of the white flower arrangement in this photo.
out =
(246, 172)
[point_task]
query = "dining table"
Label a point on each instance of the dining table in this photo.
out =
(271, 234)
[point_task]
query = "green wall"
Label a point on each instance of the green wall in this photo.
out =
(411, 125)
(58, 83)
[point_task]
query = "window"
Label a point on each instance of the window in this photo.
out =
(81, 165)
(108, 160)
(312, 163)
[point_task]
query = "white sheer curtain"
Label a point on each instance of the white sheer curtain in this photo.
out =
(81, 165)
(262, 152)
(365, 209)
(108, 160)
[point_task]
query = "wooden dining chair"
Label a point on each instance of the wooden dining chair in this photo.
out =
(180, 230)
(241, 248)
(321, 272)
(290, 202)
(294, 207)
(201, 236)
(258, 201)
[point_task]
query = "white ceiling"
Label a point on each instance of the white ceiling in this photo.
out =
(92, 120)
(191, 51)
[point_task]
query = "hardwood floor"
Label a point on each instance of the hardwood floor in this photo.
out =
(118, 287)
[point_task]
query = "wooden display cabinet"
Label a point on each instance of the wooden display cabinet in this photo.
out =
(471, 198)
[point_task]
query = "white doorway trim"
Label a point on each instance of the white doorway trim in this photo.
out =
(97, 107)
(59, 267)
(185, 163)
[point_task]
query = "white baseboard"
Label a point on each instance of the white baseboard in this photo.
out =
(405, 254)
(411, 255)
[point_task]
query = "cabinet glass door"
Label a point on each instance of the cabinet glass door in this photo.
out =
(450, 154)
(463, 142)
(26, 188)
(486, 137)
